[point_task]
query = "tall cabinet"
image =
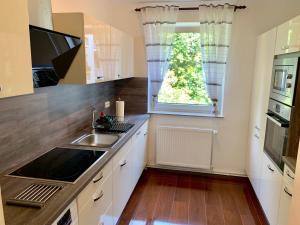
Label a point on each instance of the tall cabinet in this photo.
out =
(15, 57)
(106, 53)
(260, 96)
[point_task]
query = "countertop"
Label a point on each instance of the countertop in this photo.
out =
(290, 162)
(11, 186)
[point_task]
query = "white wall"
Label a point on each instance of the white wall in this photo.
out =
(40, 13)
(231, 142)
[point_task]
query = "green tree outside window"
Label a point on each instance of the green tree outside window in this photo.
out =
(184, 82)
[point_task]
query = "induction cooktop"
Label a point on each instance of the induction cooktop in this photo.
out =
(60, 164)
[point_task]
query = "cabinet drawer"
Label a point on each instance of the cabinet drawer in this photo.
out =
(94, 185)
(288, 176)
(270, 189)
(120, 156)
(96, 204)
(142, 131)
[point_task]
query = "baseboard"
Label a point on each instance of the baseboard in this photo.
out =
(201, 172)
(258, 207)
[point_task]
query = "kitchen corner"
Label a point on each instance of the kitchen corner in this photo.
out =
(56, 205)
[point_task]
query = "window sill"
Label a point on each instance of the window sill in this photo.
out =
(186, 114)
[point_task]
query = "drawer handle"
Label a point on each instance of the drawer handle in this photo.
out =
(257, 128)
(124, 163)
(256, 136)
(98, 179)
(289, 175)
(138, 133)
(287, 192)
(99, 197)
(269, 167)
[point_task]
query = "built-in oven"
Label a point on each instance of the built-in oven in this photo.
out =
(284, 79)
(277, 128)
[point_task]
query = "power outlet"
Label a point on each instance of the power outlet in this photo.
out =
(107, 104)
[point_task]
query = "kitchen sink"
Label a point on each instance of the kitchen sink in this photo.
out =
(97, 140)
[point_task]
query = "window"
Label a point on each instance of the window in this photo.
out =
(183, 89)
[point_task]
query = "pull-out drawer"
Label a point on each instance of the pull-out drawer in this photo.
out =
(288, 176)
(97, 204)
(270, 189)
(96, 185)
(286, 196)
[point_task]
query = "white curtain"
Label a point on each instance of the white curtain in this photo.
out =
(215, 33)
(159, 24)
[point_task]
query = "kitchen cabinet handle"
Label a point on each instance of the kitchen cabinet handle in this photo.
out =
(99, 197)
(269, 167)
(256, 136)
(257, 128)
(1, 88)
(124, 163)
(145, 133)
(138, 133)
(287, 192)
(289, 175)
(95, 180)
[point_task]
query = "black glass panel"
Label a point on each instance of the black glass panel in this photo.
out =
(276, 142)
(60, 164)
(51, 51)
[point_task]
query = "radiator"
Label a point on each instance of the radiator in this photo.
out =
(184, 147)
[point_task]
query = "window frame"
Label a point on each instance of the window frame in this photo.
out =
(201, 110)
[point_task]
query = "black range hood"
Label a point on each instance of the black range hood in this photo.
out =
(52, 54)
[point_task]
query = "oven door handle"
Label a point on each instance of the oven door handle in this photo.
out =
(277, 122)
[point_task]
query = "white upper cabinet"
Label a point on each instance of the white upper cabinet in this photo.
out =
(40, 13)
(105, 54)
(288, 37)
(260, 95)
(15, 57)
(121, 54)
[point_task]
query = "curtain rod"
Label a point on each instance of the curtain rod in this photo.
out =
(236, 7)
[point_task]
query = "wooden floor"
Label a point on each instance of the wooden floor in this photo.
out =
(162, 198)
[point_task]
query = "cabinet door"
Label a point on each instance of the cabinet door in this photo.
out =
(122, 180)
(97, 45)
(127, 53)
(270, 190)
(116, 53)
(284, 207)
(139, 152)
(254, 167)
(288, 37)
(260, 95)
(15, 57)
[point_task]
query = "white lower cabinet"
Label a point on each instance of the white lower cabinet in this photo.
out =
(122, 170)
(104, 199)
(139, 141)
(270, 189)
(128, 165)
(286, 196)
(94, 201)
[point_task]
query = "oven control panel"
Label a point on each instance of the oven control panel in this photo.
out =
(280, 109)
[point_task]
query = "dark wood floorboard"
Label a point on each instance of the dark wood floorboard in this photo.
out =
(167, 198)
